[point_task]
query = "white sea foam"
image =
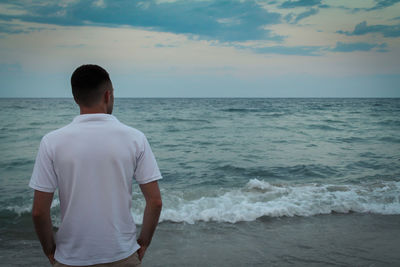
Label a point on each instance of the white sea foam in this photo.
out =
(28, 207)
(260, 198)
(19, 209)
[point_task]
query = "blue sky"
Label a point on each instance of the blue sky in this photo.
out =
(204, 48)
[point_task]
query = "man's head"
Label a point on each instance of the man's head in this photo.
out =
(92, 88)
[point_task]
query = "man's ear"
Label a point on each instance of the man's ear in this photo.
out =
(107, 96)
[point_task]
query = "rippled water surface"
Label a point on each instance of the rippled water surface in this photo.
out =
(232, 160)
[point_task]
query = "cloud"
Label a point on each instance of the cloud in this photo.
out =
(300, 3)
(225, 21)
(296, 18)
(159, 45)
(16, 28)
(380, 4)
(99, 4)
(362, 28)
(359, 46)
(383, 4)
(11, 28)
(287, 50)
(71, 46)
(11, 9)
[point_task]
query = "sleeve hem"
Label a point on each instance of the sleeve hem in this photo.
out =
(151, 179)
(41, 188)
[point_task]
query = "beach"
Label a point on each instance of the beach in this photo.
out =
(324, 240)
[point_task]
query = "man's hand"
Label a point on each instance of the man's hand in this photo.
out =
(141, 251)
(51, 258)
(151, 215)
(42, 221)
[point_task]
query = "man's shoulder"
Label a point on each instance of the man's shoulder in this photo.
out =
(130, 129)
(56, 133)
(72, 128)
(59, 131)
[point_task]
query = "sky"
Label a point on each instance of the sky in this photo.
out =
(203, 48)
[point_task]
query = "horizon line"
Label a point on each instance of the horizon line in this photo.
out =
(204, 97)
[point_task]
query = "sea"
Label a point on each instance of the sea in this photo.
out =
(246, 181)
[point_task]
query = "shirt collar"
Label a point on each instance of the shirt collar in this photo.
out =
(94, 117)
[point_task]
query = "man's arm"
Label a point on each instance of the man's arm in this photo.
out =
(151, 215)
(42, 221)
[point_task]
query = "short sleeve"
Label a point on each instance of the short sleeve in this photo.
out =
(146, 169)
(43, 177)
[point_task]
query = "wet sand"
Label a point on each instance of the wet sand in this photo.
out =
(325, 240)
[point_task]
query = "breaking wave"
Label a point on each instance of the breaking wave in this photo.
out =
(259, 198)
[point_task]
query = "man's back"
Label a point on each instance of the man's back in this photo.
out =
(92, 162)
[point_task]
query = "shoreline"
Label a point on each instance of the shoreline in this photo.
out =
(352, 239)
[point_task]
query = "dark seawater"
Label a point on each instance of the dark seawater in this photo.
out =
(259, 182)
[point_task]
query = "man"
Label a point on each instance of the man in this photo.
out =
(92, 162)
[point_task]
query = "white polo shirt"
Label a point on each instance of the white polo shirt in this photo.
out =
(92, 162)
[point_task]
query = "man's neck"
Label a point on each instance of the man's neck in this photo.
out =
(92, 110)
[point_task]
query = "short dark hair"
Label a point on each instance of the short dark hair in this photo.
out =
(87, 84)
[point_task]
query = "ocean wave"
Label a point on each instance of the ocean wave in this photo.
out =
(23, 209)
(390, 139)
(259, 199)
(16, 162)
(284, 172)
(264, 112)
(242, 109)
(176, 119)
(321, 127)
(350, 140)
